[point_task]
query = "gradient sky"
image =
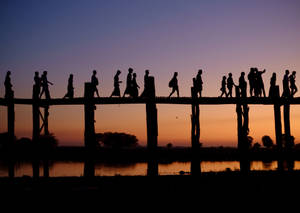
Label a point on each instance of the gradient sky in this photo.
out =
(164, 36)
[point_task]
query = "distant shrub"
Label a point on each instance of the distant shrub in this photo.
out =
(116, 140)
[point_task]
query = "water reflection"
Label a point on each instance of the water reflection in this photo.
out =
(77, 168)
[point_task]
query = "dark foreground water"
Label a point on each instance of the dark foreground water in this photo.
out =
(76, 168)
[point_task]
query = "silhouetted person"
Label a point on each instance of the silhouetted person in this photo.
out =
(199, 83)
(251, 78)
(293, 86)
(243, 85)
(70, 92)
(230, 85)
(174, 84)
(134, 87)
(37, 85)
(285, 83)
(128, 82)
(95, 83)
(145, 93)
(272, 85)
(260, 83)
(9, 93)
(223, 87)
(116, 91)
(45, 85)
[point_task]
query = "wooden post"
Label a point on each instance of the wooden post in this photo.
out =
(152, 128)
(239, 118)
(89, 131)
(287, 128)
(11, 132)
(46, 115)
(277, 118)
(195, 134)
(46, 133)
(35, 131)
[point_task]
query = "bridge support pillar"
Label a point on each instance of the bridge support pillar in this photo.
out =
(195, 134)
(89, 130)
(11, 133)
(277, 118)
(35, 132)
(152, 128)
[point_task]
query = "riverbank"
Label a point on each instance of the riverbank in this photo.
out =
(141, 154)
(260, 183)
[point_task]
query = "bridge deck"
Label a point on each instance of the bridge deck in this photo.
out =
(158, 100)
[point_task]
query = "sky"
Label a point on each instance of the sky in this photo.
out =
(164, 36)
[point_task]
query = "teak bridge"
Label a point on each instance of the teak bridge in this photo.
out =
(89, 102)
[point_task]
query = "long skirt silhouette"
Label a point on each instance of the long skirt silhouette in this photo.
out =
(116, 91)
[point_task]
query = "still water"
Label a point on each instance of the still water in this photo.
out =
(76, 168)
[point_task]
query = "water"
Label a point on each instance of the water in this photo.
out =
(76, 168)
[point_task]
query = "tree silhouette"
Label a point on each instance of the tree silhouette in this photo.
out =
(116, 140)
(267, 141)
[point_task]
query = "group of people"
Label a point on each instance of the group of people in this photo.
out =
(41, 82)
(132, 88)
(256, 83)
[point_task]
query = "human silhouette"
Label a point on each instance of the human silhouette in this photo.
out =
(230, 85)
(260, 83)
(95, 82)
(293, 86)
(37, 85)
(252, 78)
(223, 87)
(45, 85)
(9, 93)
(134, 87)
(174, 84)
(199, 83)
(70, 92)
(128, 82)
(145, 93)
(285, 83)
(116, 91)
(272, 85)
(243, 85)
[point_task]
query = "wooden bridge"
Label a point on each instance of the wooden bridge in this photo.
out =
(89, 102)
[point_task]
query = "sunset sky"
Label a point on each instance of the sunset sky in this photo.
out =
(164, 36)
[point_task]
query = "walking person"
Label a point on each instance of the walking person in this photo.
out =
(9, 93)
(260, 83)
(134, 87)
(272, 85)
(128, 82)
(199, 83)
(230, 85)
(116, 91)
(223, 87)
(293, 86)
(174, 84)
(45, 85)
(252, 78)
(243, 85)
(145, 93)
(70, 89)
(36, 86)
(285, 83)
(95, 83)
